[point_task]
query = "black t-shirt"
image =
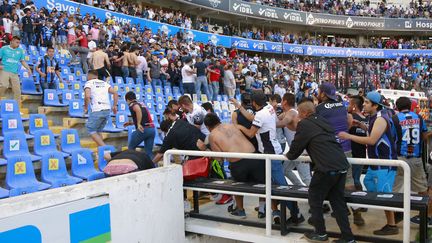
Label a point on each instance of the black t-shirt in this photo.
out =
(27, 23)
(242, 120)
(183, 136)
(201, 67)
(142, 160)
(358, 150)
(146, 119)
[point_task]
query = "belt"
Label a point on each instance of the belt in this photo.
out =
(336, 172)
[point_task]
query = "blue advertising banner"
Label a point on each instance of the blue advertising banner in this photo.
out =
(228, 41)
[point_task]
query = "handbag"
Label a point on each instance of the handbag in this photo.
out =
(192, 169)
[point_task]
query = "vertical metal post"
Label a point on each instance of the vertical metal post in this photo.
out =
(268, 197)
(406, 201)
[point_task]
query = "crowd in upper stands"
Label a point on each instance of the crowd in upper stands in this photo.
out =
(416, 9)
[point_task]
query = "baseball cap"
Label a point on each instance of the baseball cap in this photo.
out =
(329, 90)
(375, 98)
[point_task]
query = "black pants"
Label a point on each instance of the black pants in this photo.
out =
(103, 73)
(332, 187)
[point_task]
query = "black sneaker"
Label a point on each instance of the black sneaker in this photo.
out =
(387, 230)
(314, 237)
(261, 215)
(416, 220)
(399, 217)
(241, 214)
(276, 216)
(344, 241)
(358, 219)
(310, 221)
(295, 221)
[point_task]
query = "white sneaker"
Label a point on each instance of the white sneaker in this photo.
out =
(187, 206)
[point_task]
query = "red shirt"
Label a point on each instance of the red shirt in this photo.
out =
(83, 42)
(215, 76)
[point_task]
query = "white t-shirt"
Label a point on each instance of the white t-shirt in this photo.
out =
(99, 95)
(186, 77)
(143, 64)
(92, 46)
(265, 120)
(196, 117)
(71, 30)
(7, 24)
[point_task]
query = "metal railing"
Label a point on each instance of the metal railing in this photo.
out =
(268, 185)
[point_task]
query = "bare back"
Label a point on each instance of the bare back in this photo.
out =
(227, 138)
(126, 59)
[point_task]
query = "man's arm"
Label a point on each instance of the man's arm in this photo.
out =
(157, 157)
(115, 95)
(378, 130)
(251, 132)
(301, 140)
(349, 120)
(287, 119)
(138, 113)
(249, 116)
(87, 92)
(27, 67)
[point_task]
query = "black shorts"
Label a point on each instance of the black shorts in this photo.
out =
(248, 170)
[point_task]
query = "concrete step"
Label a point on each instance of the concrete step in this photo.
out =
(55, 114)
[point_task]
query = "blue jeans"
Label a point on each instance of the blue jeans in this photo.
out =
(189, 88)
(125, 71)
(278, 178)
(356, 173)
(27, 38)
(148, 136)
(97, 121)
(215, 90)
(202, 81)
(155, 82)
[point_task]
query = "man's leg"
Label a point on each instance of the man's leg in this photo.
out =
(210, 89)
(16, 87)
(97, 138)
(149, 137)
(288, 171)
(215, 90)
(336, 196)
(83, 56)
(304, 171)
(198, 87)
(137, 137)
(318, 190)
(4, 83)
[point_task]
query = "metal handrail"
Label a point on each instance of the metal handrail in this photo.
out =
(269, 157)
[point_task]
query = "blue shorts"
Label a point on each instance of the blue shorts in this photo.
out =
(61, 39)
(97, 121)
(379, 180)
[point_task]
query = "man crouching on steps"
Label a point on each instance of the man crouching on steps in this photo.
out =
(330, 165)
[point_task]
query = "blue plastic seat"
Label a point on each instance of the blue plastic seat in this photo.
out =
(44, 143)
(65, 70)
(225, 114)
(28, 87)
(118, 87)
(148, 89)
(70, 140)
(3, 161)
(8, 107)
(160, 98)
(109, 127)
(121, 119)
(130, 80)
(15, 144)
(37, 122)
(51, 98)
(12, 123)
(122, 106)
(158, 89)
(4, 193)
(83, 165)
(128, 87)
(83, 78)
(149, 96)
(67, 96)
(150, 104)
(176, 90)
(155, 119)
(160, 107)
(157, 140)
(168, 98)
(167, 90)
(118, 80)
(219, 98)
(102, 150)
(225, 98)
(76, 108)
(54, 171)
(76, 87)
(138, 89)
(78, 72)
(20, 176)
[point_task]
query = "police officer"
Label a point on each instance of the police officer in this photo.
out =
(410, 132)
(317, 136)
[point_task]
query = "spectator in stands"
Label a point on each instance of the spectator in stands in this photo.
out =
(264, 128)
(179, 134)
(380, 145)
(227, 138)
(229, 81)
(16, 31)
(133, 61)
(61, 33)
(126, 162)
(7, 24)
(174, 74)
(4, 38)
(201, 80)
(48, 68)
(214, 77)
(100, 62)
(142, 67)
(97, 92)
(27, 28)
(143, 122)
(244, 115)
(82, 49)
(125, 60)
(194, 113)
(11, 56)
(154, 71)
(188, 76)
(47, 34)
(316, 135)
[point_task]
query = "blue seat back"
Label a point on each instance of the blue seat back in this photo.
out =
(160, 98)
(67, 96)
(53, 164)
(155, 119)
(8, 107)
(78, 72)
(102, 150)
(138, 89)
(82, 160)
(128, 87)
(148, 89)
(70, 140)
(225, 114)
(118, 87)
(122, 106)
(65, 70)
(44, 142)
(76, 86)
(176, 90)
(118, 80)
(121, 118)
(20, 172)
(76, 107)
(12, 123)
(15, 144)
(130, 80)
(167, 90)
(168, 98)
(28, 85)
(51, 97)
(37, 122)
(158, 89)
(160, 107)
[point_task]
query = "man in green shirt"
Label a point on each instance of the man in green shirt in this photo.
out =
(10, 57)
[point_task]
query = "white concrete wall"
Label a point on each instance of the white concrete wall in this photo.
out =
(145, 206)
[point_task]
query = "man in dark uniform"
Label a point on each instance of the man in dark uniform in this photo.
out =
(317, 136)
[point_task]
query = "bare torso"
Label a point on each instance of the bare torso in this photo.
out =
(227, 138)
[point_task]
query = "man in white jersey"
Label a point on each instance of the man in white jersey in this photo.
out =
(289, 123)
(194, 113)
(97, 92)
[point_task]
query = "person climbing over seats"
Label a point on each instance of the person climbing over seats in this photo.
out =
(316, 135)
(228, 138)
(126, 162)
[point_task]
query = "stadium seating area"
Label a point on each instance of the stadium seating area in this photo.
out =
(47, 146)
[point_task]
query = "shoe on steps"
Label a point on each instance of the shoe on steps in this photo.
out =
(344, 241)
(276, 216)
(239, 213)
(225, 199)
(387, 230)
(314, 237)
(295, 220)
(358, 219)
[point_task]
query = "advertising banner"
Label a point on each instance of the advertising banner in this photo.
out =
(216, 4)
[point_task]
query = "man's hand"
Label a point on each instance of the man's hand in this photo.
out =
(85, 109)
(236, 104)
(114, 109)
(140, 128)
(149, 79)
(127, 124)
(344, 135)
(201, 145)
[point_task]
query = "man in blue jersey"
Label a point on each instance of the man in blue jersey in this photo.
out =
(380, 145)
(10, 57)
(410, 132)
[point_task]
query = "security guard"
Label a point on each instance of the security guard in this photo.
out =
(316, 135)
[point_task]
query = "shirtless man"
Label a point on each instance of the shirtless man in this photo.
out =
(227, 138)
(133, 61)
(125, 64)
